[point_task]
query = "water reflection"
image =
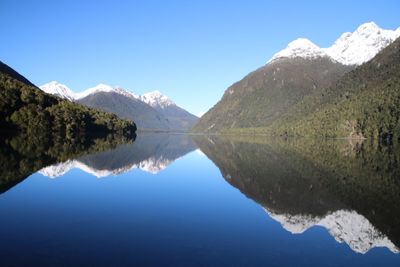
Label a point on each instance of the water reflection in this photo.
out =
(150, 153)
(22, 155)
(351, 189)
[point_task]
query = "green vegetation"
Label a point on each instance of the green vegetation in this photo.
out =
(363, 103)
(312, 176)
(25, 108)
(266, 94)
(24, 154)
(39, 129)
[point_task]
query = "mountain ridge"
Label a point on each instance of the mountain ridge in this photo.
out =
(351, 48)
(161, 112)
(292, 75)
(26, 109)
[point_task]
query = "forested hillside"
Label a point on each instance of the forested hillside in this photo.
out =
(25, 108)
(364, 103)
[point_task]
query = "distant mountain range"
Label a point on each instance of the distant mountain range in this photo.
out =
(151, 111)
(263, 101)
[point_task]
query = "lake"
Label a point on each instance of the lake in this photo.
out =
(179, 200)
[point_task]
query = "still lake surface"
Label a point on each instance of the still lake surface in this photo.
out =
(178, 200)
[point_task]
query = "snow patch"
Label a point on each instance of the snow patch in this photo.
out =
(156, 99)
(97, 89)
(362, 45)
(345, 226)
(58, 89)
(300, 47)
(351, 48)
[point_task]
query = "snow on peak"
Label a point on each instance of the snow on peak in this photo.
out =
(156, 99)
(351, 48)
(300, 47)
(343, 225)
(105, 88)
(58, 89)
(368, 27)
(125, 92)
(97, 89)
(361, 45)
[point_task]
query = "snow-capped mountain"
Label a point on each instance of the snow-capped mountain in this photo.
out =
(362, 45)
(106, 89)
(300, 47)
(156, 99)
(149, 111)
(58, 89)
(93, 90)
(344, 225)
(178, 117)
(126, 93)
(350, 49)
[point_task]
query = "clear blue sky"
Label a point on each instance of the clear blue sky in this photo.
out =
(189, 50)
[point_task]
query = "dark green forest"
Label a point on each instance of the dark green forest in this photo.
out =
(363, 103)
(312, 176)
(25, 108)
(23, 154)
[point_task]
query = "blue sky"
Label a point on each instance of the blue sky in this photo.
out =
(189, 50)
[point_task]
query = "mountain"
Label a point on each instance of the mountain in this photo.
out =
(125, 106)
(100, 88)
(27, 109)
(298, 71)
(151, 111)
(266, 94)
(302, 48)
(350, 189)
(150, 153)
(58, 89)
(362, 45)
(6, 70)
(364, 103)
(352, 48)
(157, 100)
(177, 116)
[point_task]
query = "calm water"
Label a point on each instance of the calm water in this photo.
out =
(173, 200)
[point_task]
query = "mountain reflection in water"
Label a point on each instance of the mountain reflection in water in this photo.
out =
(350, 189)
(150, 152)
